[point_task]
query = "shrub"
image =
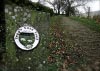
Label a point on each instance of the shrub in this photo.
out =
(97, 18)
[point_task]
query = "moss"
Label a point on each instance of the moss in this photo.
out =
(17, 59)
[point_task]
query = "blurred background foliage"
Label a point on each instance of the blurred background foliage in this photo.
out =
(34, 6)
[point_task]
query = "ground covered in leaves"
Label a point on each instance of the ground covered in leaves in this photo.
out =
(73, 46)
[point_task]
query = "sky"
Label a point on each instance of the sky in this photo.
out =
(94, 5)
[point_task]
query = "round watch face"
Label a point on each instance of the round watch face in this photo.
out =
(26, 38)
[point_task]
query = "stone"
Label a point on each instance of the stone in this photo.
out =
(16, 15)
(24, 19)
(27, 10)
(9, 7)
(15, 20)
(15, 10)
(44, 62)
(43, 48)
(6, 10)
(18, 10)
(10, 13)
(21, 9)
(40, 65)
(29, 67)
(29, 58)
(17, 59)
(29, 15)
(13, 17)
(43, 12)
(39, 12)
(16, 7)
(25, 14)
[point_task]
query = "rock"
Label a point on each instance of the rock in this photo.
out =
(9, 7)
(10, 13)
(25, 14)
(43, 12)
(6, 10)
(13, 17)
(24, 19)
(17, 59)
(44, 62)
(29, 67)
(29, 15)
(16, 7)
(29, 58)
(15, 10)
(27, 10)
(15, 20)
(21, 9)
(16, 15)
(40, 66)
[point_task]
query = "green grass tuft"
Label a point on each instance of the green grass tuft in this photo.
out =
(92, 24)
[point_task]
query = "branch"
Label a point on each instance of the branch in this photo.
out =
(79, 5)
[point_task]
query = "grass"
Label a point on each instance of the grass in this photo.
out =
(92, 24)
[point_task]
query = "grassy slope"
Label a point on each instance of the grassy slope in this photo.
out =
(88, 22)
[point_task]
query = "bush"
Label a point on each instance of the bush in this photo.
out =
(97, 18)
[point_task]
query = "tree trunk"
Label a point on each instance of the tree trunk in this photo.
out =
(59, 9)
(58, 12)
(68, 9)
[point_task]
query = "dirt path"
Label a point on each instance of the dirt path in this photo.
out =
(82, 38)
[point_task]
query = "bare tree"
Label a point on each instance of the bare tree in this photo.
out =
(68, 6)
(56, 5)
